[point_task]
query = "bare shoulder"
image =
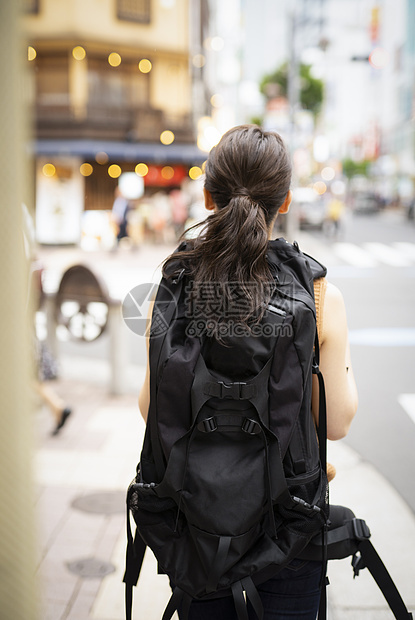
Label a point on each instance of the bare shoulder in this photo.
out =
(333, 294)
(334, 311)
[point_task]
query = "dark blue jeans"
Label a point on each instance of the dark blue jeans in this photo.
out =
(293, 594)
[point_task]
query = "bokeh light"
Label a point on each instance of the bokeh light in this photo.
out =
(217, 44)
(321, 148)
(217, 100)
(167, 173)
(320, 187)
(207, 134)
(101, 157)
(195, 172)
(141, 170)
(145, 65)
(338, 188)
(328, 173)
(78, 52)
(199, 61)
(378, 58)
(167, 137)
(49, 170)
(31, 53)
(114, 59)
(86, 169)
(114, 171)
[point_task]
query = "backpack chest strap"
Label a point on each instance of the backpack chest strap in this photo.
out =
(236, 390)
(229, 422)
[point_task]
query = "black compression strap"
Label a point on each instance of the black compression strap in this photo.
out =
(173, 604)
(239, 600)
(253, 596)
(185, 607)
(217, 568)
(134, 561)
(322, 610)
(384, 580)
(322, 406)
(128, 601)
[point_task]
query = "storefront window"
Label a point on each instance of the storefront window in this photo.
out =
(31, 6)
(121, 87)
(134, 10)
(52, 80)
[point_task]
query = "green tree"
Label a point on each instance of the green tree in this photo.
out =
(311, 89)
(351, 168)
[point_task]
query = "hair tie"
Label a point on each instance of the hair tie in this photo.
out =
(243, 193)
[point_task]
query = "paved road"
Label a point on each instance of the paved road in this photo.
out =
(373, 263)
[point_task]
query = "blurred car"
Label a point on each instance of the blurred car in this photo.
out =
(310, 208)
(365, 202)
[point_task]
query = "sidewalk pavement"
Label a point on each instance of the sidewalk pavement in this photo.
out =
(82, 475)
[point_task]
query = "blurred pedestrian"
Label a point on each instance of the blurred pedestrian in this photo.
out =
(46, 366)
(335, 213)
(47, 371)
(119, 215)
(179, 211)
(135, 226)
(411, 210)
(160, 216)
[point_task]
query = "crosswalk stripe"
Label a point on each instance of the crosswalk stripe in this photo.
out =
(387, 254)
(407, 401)
(407, 248)
(354, 255)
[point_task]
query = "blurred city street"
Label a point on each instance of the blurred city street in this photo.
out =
(83, 472)
(109, 112)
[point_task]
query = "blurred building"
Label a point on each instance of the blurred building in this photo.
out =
(369, 70)
(118, 86)
(363, 50)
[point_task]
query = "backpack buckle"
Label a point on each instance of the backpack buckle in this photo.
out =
(236, 390)
(251, 427)
(208, 425)
(230, 390)
(361, 530)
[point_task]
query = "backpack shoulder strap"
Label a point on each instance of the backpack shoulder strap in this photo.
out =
(320, 286)
(156, 345)
(317, 269)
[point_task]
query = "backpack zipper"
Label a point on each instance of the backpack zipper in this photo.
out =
(276, 310)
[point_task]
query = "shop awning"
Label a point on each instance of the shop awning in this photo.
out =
(122, 151)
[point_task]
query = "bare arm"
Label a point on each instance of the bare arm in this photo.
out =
(335, 365)
(144, 396)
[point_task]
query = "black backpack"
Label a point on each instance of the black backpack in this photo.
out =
(231, 475)
(231, 484)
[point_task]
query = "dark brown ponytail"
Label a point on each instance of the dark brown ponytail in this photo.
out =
(248, 175)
